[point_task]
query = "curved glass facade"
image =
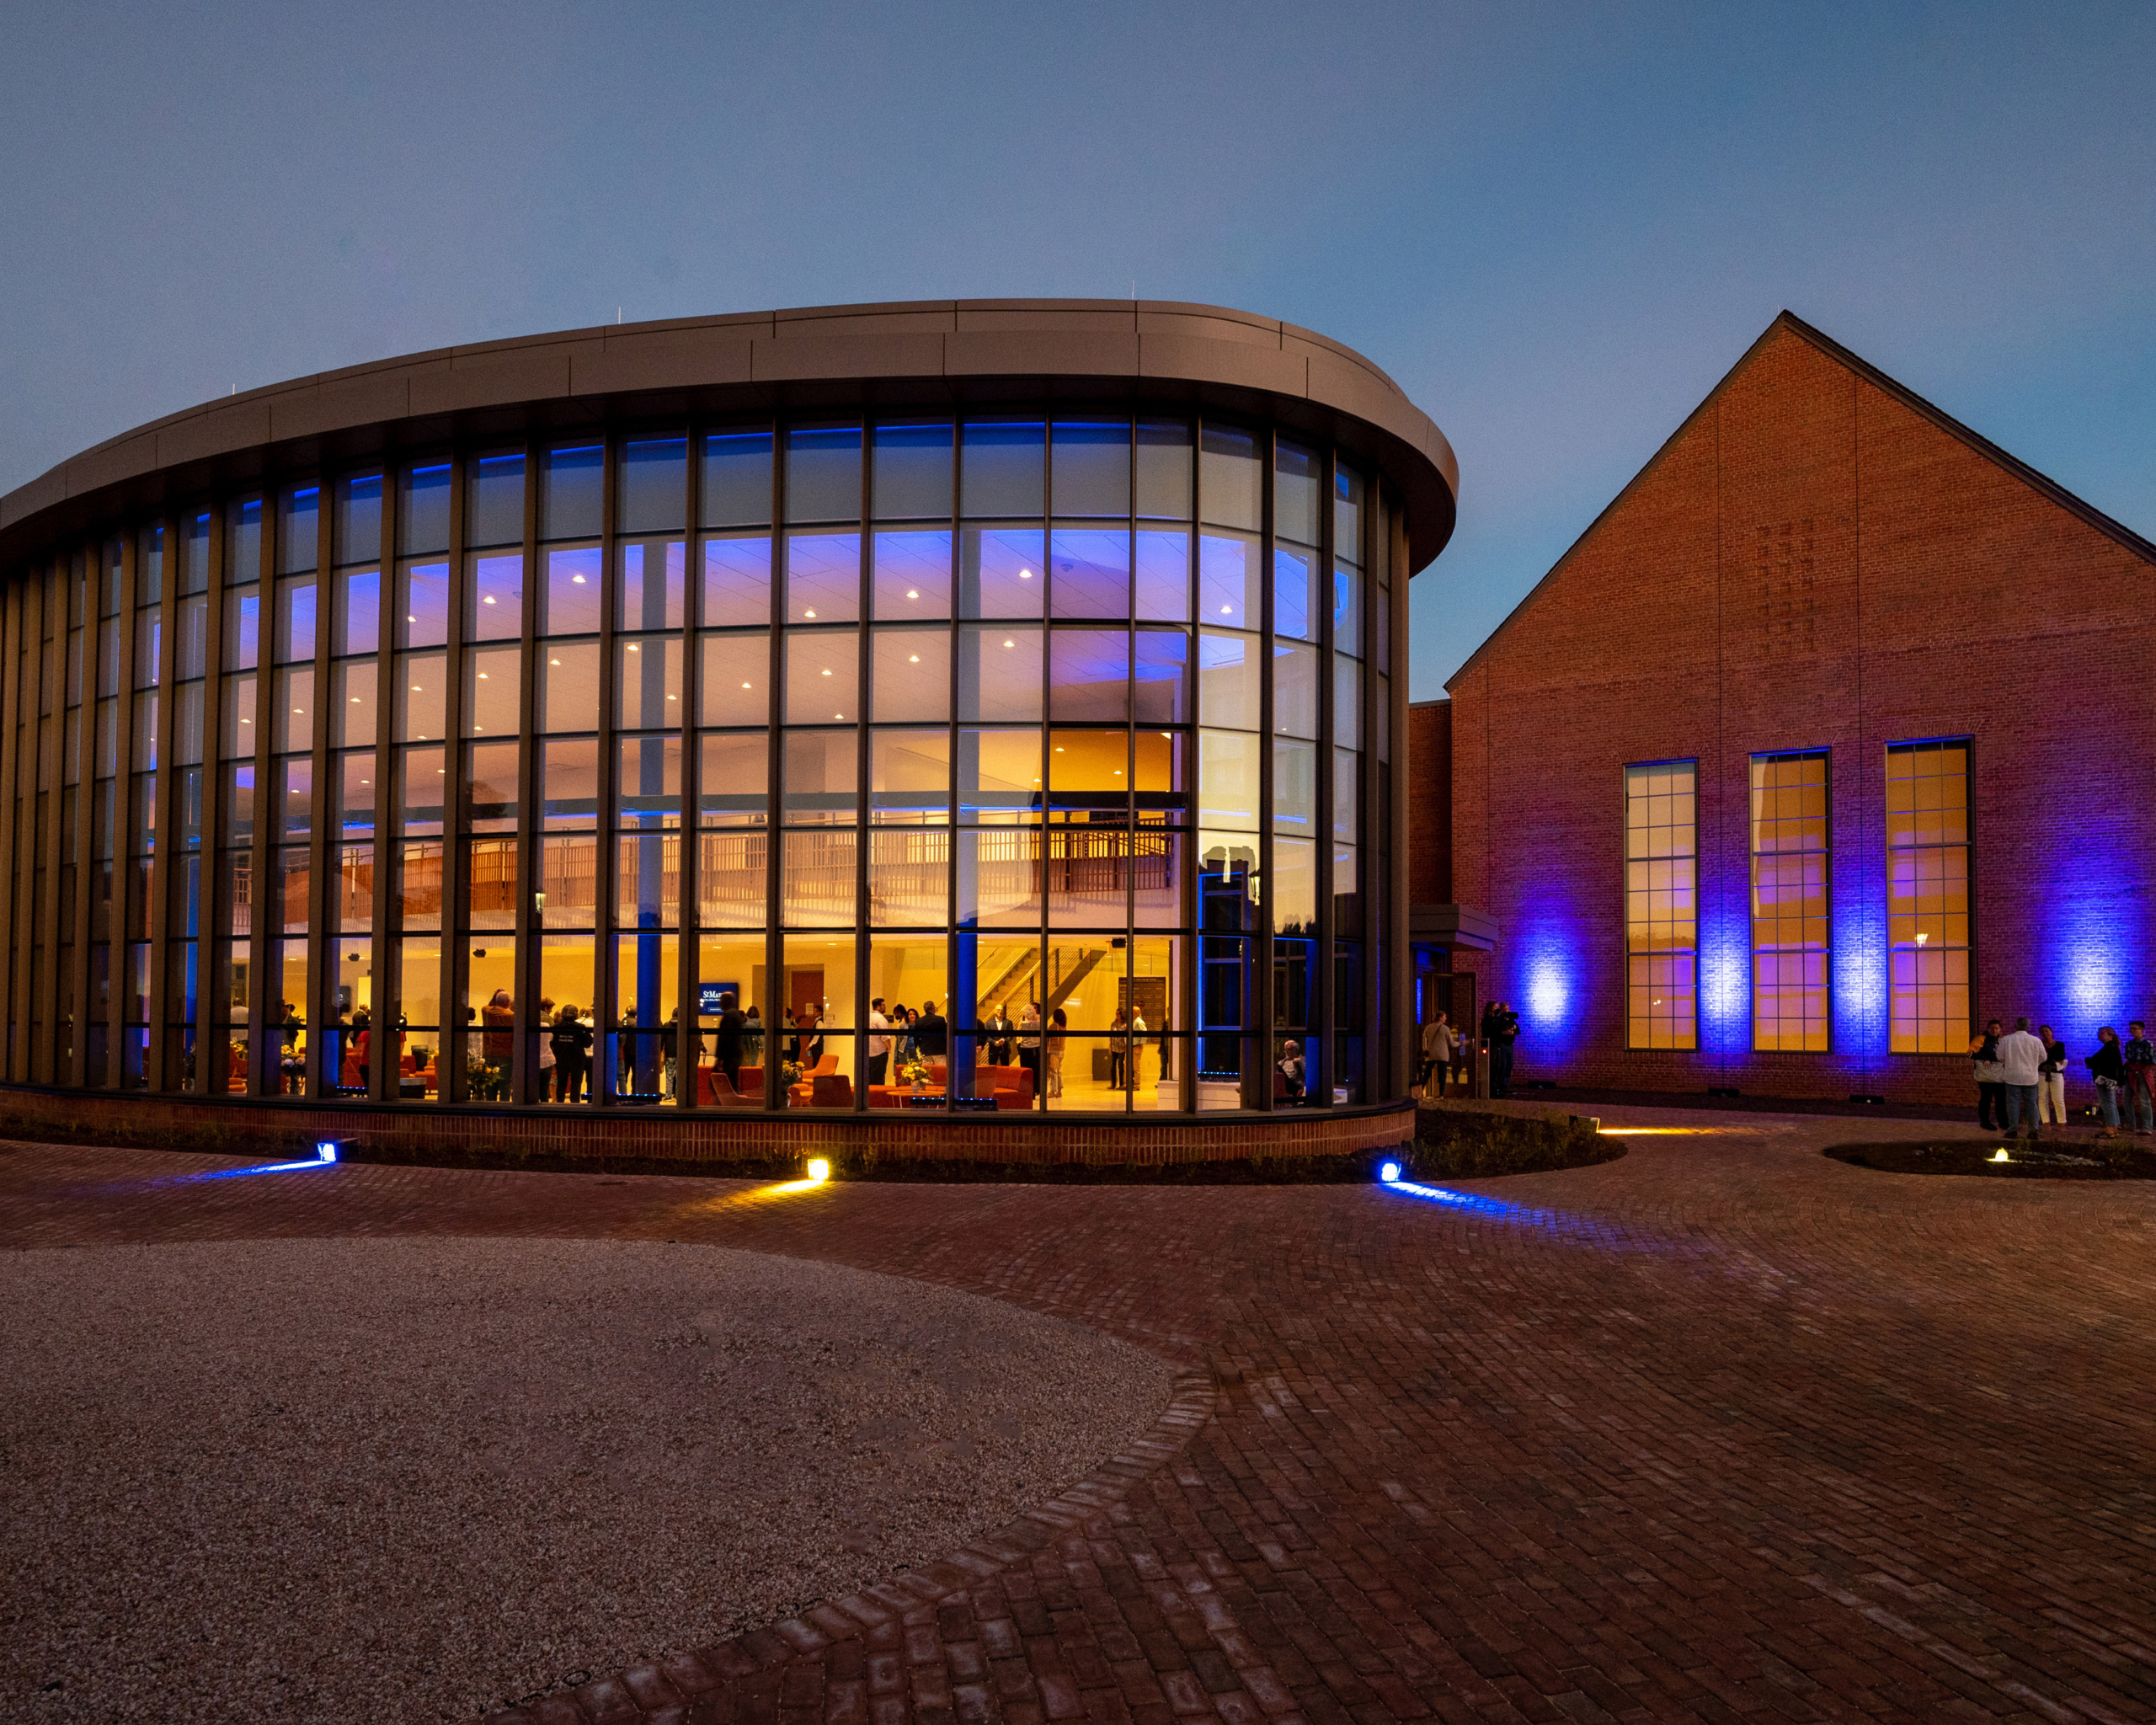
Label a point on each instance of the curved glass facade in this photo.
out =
(1034, 762)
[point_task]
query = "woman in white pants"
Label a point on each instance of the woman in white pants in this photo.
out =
(2051, 1080)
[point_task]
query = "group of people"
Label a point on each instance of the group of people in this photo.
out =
(1448, 1049)
(2021, 1078)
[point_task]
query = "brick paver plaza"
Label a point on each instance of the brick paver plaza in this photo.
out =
(1723, 1429)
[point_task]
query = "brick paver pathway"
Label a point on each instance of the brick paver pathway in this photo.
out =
(1725, 1430)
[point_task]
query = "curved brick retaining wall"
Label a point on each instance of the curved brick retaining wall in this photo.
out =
(702, 1135)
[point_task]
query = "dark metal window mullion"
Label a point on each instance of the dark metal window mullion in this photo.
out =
(385, 1045)
(1390, 995)
(1191, 971)
(452, 1052)
(1324, 1013)
(55, 672)
(120, 971)
(1268, 892)
(78, 930)
(1130, 839)
(524, 979)
(325, 871)
(165, 864)
(864, 695)
(261, 940)
(604, 988)
(1051, 835)
(213, 1044)
(11, 700)
(956, 838)
(774, 789)
(688, 947)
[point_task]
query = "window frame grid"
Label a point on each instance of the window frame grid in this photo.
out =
(1826, 852)
(1625, 903)
(1967, 847)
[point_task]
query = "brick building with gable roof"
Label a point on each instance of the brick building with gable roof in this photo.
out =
(1833, 736)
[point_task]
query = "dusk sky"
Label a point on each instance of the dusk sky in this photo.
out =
(1555, 226)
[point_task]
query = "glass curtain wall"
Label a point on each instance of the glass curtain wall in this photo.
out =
(925, 764)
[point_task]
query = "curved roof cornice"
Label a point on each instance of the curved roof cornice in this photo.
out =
(916, 354)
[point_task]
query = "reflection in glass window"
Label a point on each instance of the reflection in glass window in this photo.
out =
(568, 686)
(494, 508)
(734, 768)
(1002, 473)
(910, 674)
(356, 526)
(737, 479)
(1294, 689)
(999, 775)
(647, 682)
(1928, 867)
(423, 604)
(299, 526)
(1661, 926)
(1792, 941)
(356, 619)
(823, 474)
(1000, 673)
(823, 676)
(1089, 675)
(736, 681)
(1228, 688)
(1002, 572)
(1229, 779)
(912, 477)
(653, 584)
(1294, 592)
(910, 777)
(572, 596)
(911, 576)
(1228, 580)
(572, 493)
(1090, 567)
(655, 481)
(1231, 489)
(1295, 788)
(1162, 682)
(823, 577)
(1163, 574)
(1091, 467)
(494, 597)
(1164, 469)
(423, 511)
(738, 581)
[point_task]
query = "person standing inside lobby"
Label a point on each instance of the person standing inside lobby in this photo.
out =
(879, 1042)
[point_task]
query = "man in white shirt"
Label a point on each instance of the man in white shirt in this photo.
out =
(879, 1047)
(2021, 1060)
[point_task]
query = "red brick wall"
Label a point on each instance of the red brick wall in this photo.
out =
(1812, 563)
(1429, 802)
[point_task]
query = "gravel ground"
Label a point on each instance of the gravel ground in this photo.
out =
(412, 1479)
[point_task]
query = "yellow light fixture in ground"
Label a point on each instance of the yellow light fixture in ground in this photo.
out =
(2000, 1155)
(819, 1170)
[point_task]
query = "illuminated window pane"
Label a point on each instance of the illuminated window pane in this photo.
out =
(1928, 898)
(1661, 929)
(1791, 938)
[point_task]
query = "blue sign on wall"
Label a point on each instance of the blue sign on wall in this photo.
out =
(708, 994)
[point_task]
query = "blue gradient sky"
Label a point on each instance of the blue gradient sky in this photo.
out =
(1556, 225)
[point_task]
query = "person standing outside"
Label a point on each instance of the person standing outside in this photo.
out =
(1504, 1032)
(879, 1042)
(1436, 1055)
(1991, 1082)
(2050, 1081)
(2139, 1055)
(2020, 1063)
(2107, 1066)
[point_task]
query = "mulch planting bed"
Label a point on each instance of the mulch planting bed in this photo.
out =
(2108, 1159)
